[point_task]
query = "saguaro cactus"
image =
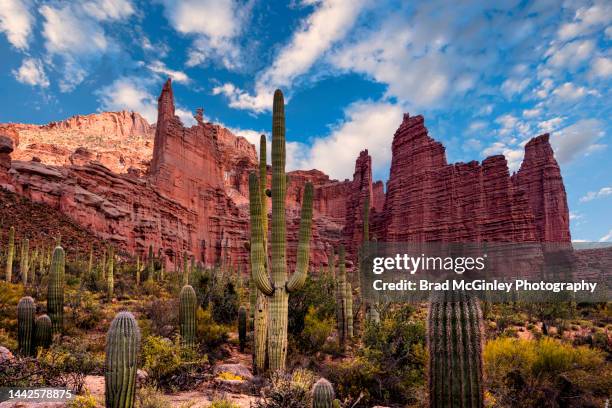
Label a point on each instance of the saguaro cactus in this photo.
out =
(454, 337)
(322, 394)
(42, 331)
(280, 286)
(25, 325)
(187, 315)
(343, 318)
(151, 264)
(349, 310)
(137, 270)
(331, 260)
(24, 261)
(242, 327)
(122, 347)
(10, 253)
(55, 290)
(110, 280)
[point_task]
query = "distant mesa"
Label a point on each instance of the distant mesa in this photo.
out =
(185, 189)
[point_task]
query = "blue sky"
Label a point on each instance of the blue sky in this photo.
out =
(486, 77)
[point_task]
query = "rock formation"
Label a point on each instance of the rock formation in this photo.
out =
(184, 189)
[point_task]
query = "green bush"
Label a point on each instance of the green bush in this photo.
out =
(210, 333)
(316, 331)
(223, 403)
(528, 372)
(67, 364)
(150, 397)
(83, 401)
(171, 366)
(390, 366)
(317, 292)
(288, 391)
(224, 302)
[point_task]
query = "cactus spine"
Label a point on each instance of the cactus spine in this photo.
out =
(122, 347)
(24, 264)
(187, 315)
(454, 337)
(322, 394)
(280, 286)
(25, 325)
(55, 290)
(110, 282)
(242, 327)
(42, 331)
(10, 254)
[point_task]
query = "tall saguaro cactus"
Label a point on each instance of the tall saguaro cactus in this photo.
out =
(280, 286)
(55, 290)
(24, 261)
(343, 293)
(151, 265)
(454, 337)
(122, 347)
(25, 325)
(10, 254)
(187, 315)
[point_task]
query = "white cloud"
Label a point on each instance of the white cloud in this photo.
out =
(367, 125)
(532, 113)
(185, 116)
(514, 86)
(550, 125)
(574, 140)
(593, 195)
(574, 216)
(16, 22)
(66, 32)
(571, 54)
(328, 23)
(602, 67)
(607, 237)
(586, 20)
(477, 125)
(215, 23)
(568, 92)
(129, 94)
(104, 10)
(160, 68)
(31, 72)
(514, 156)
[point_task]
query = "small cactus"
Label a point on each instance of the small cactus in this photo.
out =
(10, 253)
(122, 347)
(187, 315)
(110, 282)
(55, 290)
(137, 270)
(322, 394)
(42, 331)
(242, 327)
(25, 325)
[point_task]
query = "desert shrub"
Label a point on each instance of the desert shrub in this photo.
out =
(21, 372)
(223, 403)
(210, 333)
(67, 364)
(318, 293)
(7, 341)
(532, 372)
(224, 302)
(163, 315)
(171, 366)
(150, 397)
(288, 391)
(9, 297)
(151, 288)
(316, 331)
(88, 312)
(83, 401)
(391, 364)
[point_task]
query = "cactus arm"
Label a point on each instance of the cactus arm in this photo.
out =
(298, 279)
(260, 276)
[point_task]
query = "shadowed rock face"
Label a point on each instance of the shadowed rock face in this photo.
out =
(185, 189)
